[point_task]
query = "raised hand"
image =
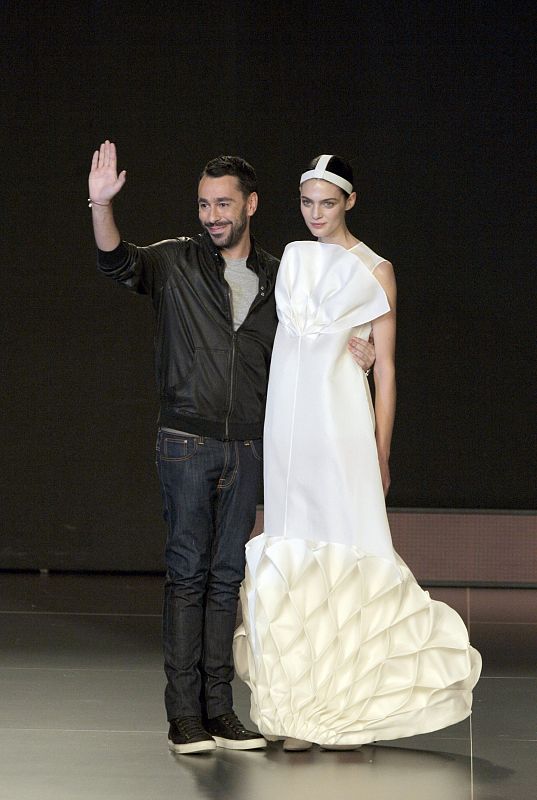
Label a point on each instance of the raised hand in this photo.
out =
(104, 182)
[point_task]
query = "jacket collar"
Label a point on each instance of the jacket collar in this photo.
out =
(252, 261)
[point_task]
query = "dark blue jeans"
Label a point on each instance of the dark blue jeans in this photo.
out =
(209, 491)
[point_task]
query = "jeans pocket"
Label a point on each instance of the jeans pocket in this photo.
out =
(178, 447)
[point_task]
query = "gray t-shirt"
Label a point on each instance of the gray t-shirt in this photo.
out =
(244, 285)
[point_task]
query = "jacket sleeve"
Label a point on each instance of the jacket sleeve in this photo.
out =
(143, 270)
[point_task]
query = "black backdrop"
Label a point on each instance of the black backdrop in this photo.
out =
(432, 102)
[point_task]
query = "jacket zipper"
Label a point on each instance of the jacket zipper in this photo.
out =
(233, 341)
(261, 294)
(232, 368)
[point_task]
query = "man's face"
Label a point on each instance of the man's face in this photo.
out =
(224, 211)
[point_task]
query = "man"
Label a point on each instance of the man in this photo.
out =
(213, 296)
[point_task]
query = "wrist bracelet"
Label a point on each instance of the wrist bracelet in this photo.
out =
(93, 203)
(367, 371)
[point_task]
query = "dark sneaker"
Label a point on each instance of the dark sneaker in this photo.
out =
(228, 731)
(187, 735)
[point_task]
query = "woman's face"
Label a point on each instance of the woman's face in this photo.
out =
(323, 206)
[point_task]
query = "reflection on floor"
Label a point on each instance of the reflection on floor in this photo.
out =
(81, 708)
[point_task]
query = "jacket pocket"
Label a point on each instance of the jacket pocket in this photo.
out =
(204, 390)
(252, 377)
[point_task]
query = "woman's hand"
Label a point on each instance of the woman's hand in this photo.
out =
(362, 352)
(104, 182)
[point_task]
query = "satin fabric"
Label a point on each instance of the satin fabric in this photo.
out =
(321, 473)
(339, 645)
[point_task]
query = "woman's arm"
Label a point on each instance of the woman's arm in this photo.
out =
(384, 372)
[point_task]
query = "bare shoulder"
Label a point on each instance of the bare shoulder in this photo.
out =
(386, 270)
(385, 275)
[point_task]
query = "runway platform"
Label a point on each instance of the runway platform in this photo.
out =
(81, 711)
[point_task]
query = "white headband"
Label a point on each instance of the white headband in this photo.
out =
(321, 173)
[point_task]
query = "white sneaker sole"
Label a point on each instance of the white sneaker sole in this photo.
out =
(237, 744)
(194, 747)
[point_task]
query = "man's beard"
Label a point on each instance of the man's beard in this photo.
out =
(236, 230)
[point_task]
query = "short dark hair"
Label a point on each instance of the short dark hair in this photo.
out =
(339, 167)
(232, 165)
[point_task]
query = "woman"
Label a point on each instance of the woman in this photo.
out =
(339, 644)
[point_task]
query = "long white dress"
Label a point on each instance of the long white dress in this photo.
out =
(339, 644)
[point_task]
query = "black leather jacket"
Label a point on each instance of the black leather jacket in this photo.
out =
(212, 380)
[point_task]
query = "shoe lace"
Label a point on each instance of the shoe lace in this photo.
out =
(232, 720)
(189, 726)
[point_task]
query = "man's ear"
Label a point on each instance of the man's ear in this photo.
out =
(251, 204)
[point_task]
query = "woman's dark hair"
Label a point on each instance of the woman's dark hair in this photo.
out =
(232, 165)
(339, 167)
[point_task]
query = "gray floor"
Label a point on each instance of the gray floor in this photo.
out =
(81, 709)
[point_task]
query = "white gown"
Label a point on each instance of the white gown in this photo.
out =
(339, 644)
